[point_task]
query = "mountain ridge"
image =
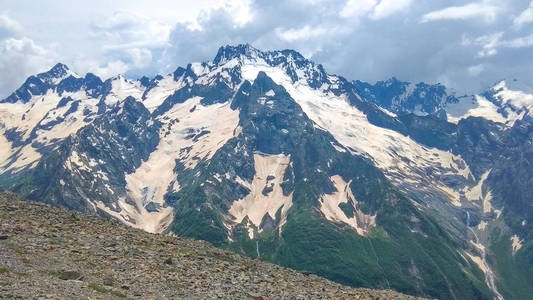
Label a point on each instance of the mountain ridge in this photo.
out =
(264, 152)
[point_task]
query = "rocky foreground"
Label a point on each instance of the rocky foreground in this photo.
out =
(52, 253)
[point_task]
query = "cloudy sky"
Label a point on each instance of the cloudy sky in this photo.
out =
(467, 45)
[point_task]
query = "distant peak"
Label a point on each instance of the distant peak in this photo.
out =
(240, 48)
(502, 84)
(228, 52)
(290, 52)
(513, 85)
(59, 70)
(393, 81)
(55, 74)
(60, 67)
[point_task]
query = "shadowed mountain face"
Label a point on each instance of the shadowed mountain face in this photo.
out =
(391, 185)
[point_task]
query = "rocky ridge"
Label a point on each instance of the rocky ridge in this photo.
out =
(53, 253)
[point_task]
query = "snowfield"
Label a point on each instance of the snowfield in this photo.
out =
(269, 172)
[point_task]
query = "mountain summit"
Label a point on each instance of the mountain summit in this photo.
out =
(387, 185)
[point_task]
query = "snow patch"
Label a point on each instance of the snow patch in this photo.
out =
(516, 99)
(75, 162)
(149, 184)
(476, 193)
(192, 132)
(25, 116)
(26, 156)
(479, 262)
(6, 150)
(329, 206)
(199, 69)
(515, 103)
(478, 106)
(121, 88)
(41, 111)
(516, 243)
(187, 135)
(260, 202)
(482, 225)
(270, 93)
(130, 215)
(165, 87)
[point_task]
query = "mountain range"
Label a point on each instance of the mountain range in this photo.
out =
(388, 185)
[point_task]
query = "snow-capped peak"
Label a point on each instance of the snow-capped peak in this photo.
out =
(228, 52)
(59, 70)
(507, 95)
(393, 80)
(513, 84)
(56, 74)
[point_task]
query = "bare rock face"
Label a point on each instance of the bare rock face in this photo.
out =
(52, 253)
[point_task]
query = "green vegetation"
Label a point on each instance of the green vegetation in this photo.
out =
(117, 294)
(98, 288)
(391, 257)
(515, 280)
(53, 273)
(103, 290)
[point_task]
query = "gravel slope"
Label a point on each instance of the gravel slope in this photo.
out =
(52, 253)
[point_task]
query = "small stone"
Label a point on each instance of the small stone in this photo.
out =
(254, 295)
(70, 275)
(108, 280)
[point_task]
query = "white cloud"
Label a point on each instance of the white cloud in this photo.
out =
(372, 8)
(489, 43)
(482, 10)
(107, 70)
(20, 58)
(386, 8)
(304, 33)
(520, 42)
(474, 71)
(126, 41)
(525, 17)
(357, 7)
(124, 29)
(492, 42)
(361, 39)
(140, 57)
(240, 10)
(8, 26)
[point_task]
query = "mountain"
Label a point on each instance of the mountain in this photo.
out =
(107, 260)
(404, 97)
(391, 185)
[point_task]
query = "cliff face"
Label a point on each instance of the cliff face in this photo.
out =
(52, 253)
